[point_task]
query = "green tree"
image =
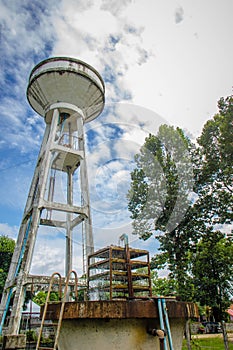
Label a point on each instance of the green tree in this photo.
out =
(160, 200)
(215, 173)
(40, 297)
(7, 246)
(161, 182)
(163, 286)
(212, 272)
(180, 192)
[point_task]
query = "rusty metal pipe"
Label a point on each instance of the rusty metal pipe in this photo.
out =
(160, 333)
(124, 237)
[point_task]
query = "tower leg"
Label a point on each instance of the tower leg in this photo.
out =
(22, 256)
(54, 156)
(20, 292)
(69, 245)
(89, 243)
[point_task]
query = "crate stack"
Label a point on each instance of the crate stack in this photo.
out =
(119, 272)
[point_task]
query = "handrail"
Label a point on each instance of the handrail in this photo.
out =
(46, 304)
(70, 141)
(63, 299)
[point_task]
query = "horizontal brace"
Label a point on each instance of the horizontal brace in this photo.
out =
(67, 208)
(64, 149)
(53, 223)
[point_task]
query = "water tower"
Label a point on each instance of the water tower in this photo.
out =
(68, 93)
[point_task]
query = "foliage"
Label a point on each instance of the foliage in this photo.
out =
(161, 182)
(7, 246)
(81, 295)
(40, 297)
(215, 175)
(162, 285)
(181, 193)
(212, 272)
(31, 335)
(160, 201)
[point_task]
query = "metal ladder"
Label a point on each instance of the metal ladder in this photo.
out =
(63, 299)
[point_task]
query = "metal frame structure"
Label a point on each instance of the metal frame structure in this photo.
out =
(68, 93)
(119, 272)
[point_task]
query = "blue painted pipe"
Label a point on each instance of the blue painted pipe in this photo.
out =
(164, 308)
(5, 311)
(15, 274)
(23, 247)
(160, 308)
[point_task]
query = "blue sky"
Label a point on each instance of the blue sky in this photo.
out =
(162, 62)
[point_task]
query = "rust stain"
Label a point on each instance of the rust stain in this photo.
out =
(121, 309)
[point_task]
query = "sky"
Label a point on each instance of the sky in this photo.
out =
(162, 61)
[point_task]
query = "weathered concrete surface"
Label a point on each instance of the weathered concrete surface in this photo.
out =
(120, 324)
(135, 308)
(17, 341)
(115, 334)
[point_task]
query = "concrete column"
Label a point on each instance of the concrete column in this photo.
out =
(69, 244)
(89, 243)
(33, 228)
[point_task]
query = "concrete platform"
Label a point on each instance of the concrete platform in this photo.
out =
(120, 324)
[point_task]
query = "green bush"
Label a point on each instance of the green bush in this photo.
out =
(31, 335)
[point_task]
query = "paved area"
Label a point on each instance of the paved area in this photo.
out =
(203, 336)
(209, 335)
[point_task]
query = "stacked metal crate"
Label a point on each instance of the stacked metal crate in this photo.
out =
(119, 272)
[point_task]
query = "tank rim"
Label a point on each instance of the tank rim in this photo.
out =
(36, 73)
(65, 58)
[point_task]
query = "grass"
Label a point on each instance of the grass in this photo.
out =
(214, 343)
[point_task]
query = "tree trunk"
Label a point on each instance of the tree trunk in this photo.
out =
(225, 339)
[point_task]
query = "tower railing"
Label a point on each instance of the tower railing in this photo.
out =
(70, 141)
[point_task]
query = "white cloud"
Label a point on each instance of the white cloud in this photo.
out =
(117, 135)
(7, 230)
(26, 27)
(48, 257)
(179, 15)
(115, 7)
(178, 71)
